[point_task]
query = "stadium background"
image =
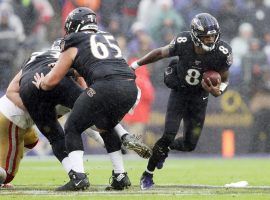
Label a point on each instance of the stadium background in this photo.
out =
(141, 25)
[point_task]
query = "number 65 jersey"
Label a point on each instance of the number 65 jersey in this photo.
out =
(191, 66)
(99, 56)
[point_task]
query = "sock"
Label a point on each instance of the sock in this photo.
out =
(119, 129)
(95, 135)
(67, 165)
(76, 159)
(117, 162)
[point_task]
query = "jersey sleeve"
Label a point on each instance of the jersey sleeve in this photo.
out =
(225, 54)
(179, 43)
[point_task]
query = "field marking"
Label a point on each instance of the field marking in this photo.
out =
(179, 190)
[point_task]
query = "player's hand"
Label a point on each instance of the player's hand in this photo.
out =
(209, 87)
(38, 79)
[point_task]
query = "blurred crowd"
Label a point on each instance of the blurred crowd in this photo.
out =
(141, 25)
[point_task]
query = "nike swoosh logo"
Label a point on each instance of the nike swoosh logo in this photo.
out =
(76, 184)
(204, 98)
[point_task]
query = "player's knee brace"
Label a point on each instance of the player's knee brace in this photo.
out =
(111, 140)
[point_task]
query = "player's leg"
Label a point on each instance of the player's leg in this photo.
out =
(30, 138)
(119, 179)
(81, 117)
(131, 142)
(101, 105)
(11, 142)
(175, 109)
(193, 125)
(41, 108)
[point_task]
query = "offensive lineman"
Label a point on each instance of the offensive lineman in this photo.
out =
(111, 93)
(198, 50)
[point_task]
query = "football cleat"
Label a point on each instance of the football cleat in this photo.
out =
(119, 181)
(146, 181)
(160, 154)
(78, 181)
(131, 142)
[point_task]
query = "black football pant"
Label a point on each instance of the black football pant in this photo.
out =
(41, 107)
(189, 108)
(104, 104)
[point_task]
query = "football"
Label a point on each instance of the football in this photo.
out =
(213, 76)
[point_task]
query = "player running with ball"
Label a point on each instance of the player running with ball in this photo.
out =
(198, 50)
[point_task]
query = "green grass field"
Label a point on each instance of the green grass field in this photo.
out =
(183, 178)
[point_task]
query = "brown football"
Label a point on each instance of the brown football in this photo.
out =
(213, 76)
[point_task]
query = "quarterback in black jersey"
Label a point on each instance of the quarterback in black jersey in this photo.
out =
(112, 91)
(198, 50)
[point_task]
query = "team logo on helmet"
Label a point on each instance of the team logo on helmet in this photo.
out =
(197, 23)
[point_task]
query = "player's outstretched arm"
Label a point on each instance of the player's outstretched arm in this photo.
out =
(152, 56)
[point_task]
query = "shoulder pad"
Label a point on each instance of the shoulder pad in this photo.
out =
(71, 40)
(225, 52)
(225, 44)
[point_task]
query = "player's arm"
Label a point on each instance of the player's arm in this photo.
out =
(152, 56)
(58, 72)
(13, 91)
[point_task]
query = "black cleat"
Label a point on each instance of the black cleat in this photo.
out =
(78, 181)
(119, 181)
(133, 143)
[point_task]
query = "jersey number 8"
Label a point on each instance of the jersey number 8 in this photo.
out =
(192, 76)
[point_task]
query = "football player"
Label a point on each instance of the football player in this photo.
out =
(16, 132)
(198, 50)
(111, 93)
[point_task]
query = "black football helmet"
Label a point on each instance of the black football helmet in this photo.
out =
(204, 24)
(80, 19)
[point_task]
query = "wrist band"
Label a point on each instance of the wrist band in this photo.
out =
(223, 87)
(134, 65)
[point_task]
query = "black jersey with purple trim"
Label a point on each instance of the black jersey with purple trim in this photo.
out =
(99, 56)
(191, 66)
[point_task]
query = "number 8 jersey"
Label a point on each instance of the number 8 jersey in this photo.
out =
(191, 66)
(98, 57)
